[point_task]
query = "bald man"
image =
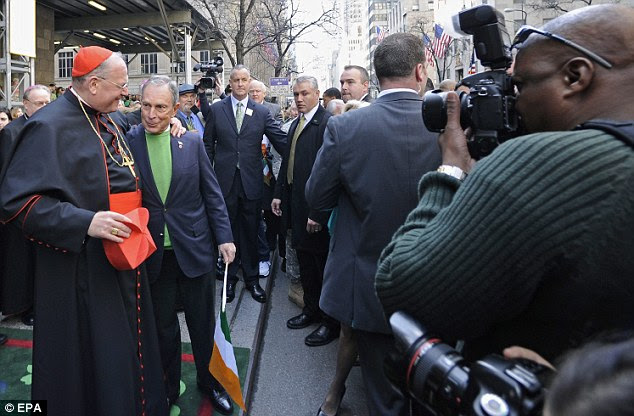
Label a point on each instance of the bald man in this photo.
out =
(534, 247)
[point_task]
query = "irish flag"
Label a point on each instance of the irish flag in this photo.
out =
(223, 362)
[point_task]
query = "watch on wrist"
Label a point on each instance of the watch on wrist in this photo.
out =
(454, 171)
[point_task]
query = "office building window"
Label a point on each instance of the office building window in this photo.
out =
(204, 57)
(65, 64)
(149, 63)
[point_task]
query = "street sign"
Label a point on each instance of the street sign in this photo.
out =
(279, 86)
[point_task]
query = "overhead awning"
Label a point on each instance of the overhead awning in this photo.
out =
(130, 26)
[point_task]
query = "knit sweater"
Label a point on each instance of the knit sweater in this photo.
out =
(535, 248)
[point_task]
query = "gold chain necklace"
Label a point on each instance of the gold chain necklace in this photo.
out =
(127, 159)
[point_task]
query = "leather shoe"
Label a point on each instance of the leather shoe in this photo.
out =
(231, 291)
(219, 399)
(257, 292)
(300, 321)
(321, 336)
(3, 339)
(28, 319)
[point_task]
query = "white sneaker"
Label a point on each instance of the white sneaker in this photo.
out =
(265, 268)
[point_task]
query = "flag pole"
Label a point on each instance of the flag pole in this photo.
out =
(224, 289)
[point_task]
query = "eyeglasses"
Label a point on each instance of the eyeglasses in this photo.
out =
(121, 87)
(525, 31)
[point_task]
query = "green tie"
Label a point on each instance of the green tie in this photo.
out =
(291, 156)
(239, 116)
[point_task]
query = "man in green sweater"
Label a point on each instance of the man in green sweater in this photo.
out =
(535, 246)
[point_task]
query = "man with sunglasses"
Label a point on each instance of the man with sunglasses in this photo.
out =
(534, 246)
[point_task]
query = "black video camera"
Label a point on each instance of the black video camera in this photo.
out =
(489, 107)
(440, 379)
(208, 81)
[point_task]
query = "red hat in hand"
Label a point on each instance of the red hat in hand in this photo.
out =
(89, 58)
(137, 248)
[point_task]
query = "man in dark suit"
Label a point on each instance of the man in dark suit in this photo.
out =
(310, 235)
(233, 138)
(355, 84)
(369, 167)
(187, 214)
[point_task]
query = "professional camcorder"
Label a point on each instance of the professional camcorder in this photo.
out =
(440, 379)
(489, 107)
(208, 81)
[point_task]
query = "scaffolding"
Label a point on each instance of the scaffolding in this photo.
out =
(17, 72)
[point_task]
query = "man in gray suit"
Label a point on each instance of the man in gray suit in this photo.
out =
(369, 167)
(257, 92)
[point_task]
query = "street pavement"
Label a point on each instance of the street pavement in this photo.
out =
(285, 377)
(292, 378)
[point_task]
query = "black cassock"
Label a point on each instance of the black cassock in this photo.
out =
(17, 254)
(95, 349)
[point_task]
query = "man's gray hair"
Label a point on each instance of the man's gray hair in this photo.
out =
(101, 71)
(237, 68)
(397, 56)
(335, 106)
(27, 92)
(307, 78)
(159, 81)
(259, 83)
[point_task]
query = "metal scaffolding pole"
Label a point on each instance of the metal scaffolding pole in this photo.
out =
(22, 65)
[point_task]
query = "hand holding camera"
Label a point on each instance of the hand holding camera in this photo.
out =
(444, 383)
(453, 139)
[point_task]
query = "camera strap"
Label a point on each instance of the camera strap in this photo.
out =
(623, 131)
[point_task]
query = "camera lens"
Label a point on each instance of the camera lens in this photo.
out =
(439, 372)
(435, 110)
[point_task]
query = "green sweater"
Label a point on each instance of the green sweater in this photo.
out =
(535, 248)
(160, 154)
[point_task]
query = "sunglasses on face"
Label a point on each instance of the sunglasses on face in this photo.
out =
(525, 31)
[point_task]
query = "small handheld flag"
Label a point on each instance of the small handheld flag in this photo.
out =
(223, 361)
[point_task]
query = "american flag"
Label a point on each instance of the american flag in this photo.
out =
(429, 55)
(380, 34)
(473, 68)
(441, 41)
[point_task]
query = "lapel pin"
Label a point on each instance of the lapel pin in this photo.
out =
(180, 144)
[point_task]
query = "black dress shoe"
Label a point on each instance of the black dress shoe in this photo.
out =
(321, 336)
(300, 321)
(28, 319)
(220, 399)
(3, 339)
(231, 291)
(257, 292)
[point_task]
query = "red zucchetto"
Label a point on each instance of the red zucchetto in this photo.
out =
(89, 58)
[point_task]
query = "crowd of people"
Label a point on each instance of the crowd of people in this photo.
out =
(528, 248)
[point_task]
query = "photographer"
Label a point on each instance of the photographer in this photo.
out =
(534, 247)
